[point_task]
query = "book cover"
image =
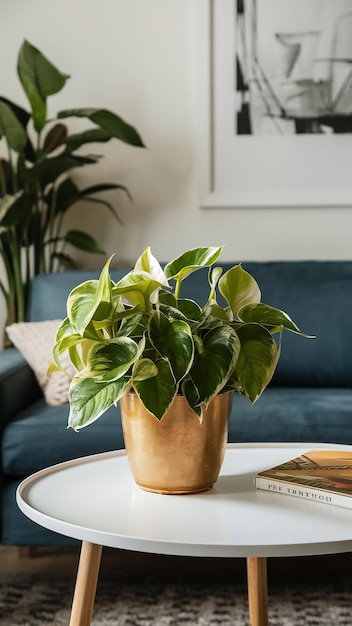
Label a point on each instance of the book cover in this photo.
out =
(317, 475)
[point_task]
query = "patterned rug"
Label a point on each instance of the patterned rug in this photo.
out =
(28, 600)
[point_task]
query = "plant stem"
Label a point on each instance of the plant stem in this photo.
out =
(177, 288)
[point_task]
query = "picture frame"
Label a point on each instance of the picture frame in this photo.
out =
(268, 170)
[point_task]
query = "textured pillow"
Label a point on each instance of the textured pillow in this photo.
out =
(35, 340)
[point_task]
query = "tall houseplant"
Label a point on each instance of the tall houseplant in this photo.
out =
(138, 337)
(36, 187)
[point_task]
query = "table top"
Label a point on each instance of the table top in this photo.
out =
(95, 499)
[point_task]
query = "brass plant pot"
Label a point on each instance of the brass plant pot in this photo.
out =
(178, 454)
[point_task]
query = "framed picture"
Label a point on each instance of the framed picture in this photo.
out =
(279, 120)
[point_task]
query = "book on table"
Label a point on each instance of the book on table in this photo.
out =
(317, 475)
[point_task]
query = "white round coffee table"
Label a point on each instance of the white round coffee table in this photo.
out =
(94, 499)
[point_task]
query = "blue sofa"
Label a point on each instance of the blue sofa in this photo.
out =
(309, 398)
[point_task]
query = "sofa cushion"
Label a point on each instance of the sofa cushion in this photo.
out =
(39, 437)
(15, 373)
(35, 340)
(294, 414)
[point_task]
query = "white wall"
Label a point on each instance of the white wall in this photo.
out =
(140, 58)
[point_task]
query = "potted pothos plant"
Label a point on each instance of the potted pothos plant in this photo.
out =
(36, 187)
(139, 338)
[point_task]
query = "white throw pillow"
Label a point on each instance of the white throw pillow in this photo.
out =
(35, 340)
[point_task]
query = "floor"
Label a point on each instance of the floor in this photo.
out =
(132, 565)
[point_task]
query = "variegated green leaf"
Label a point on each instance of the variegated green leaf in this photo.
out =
(91, 300)
(192, 397)
(257, 360)
(89, 399)
(185, 310)
(130, 324)
(148, 263)
(158, 392)
(225, 315)
(143, 369)
(173, 340)
(239, 288)
(213, 278)
(190, 261)
(66, 339)
(268, 316)
(110, 361)
(190, 309)
(215, 362)
(138, 288)
(167, 298)
(172, 313)
(67, 334)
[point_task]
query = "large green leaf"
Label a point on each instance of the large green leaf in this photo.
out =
(190, 261)
(110, 361)
(50, 169)
(54, 138)
(64, 195)
(89, 399)
(83, 241)
(11, 129)
(65, 261)
(5, 205)
(268, 316)
(92, 189)
(109, 122)
(173, 340)
(93, 135)
(22, 115)
(158, 392)
(16, 209)
(257, 360)
(214, 363)
(39, 79)
(238, 288)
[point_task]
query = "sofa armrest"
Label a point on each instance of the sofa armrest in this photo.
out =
(18, 385)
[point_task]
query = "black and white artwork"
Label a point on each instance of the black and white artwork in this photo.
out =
(280, 103)
(293, 67)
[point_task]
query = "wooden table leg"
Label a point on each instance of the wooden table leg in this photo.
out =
(257, 591)
(86, 584)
